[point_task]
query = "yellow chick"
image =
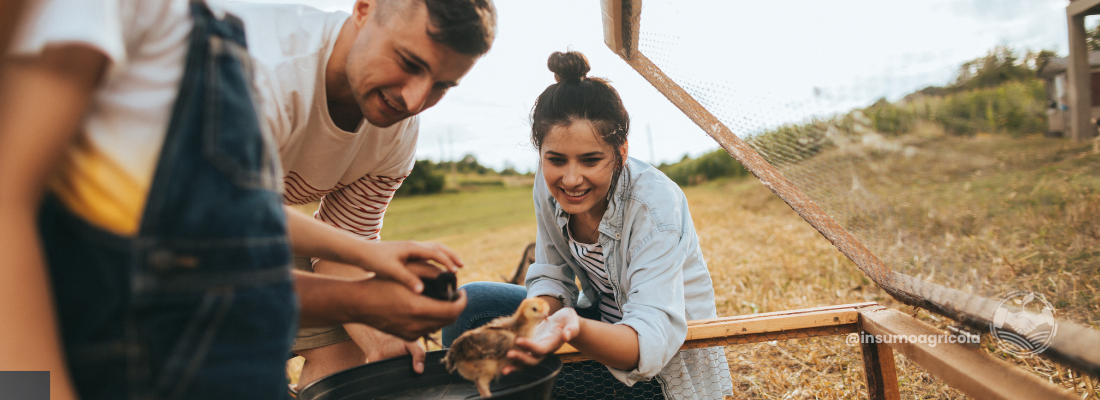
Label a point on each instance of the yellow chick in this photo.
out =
(480, 354)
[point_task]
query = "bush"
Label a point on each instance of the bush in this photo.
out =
(1016, 108)
(710, 166)
(468, 165)
(425, 178)
(889, 119)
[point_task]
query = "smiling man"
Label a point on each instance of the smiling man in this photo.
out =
(340, 95)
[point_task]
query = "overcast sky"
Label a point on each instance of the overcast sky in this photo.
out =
(767, 63)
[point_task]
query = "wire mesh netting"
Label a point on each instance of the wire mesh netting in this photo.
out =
(948, 218)
(783, 365)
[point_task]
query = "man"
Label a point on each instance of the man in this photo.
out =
(341, 93)
(156, 264)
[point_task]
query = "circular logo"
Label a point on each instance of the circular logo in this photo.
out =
(1026, 331)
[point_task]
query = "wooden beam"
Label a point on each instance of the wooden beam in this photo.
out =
(804, 322)
(967, 369)
(774, 323)
(879, 371)
(784, 312)
(620, 25)
(1080, 80)
(1083, 7)
(613, 24)
(804, 333)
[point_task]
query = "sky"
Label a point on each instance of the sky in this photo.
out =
(760, 64)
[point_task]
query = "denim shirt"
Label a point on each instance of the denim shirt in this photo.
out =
(653, 260)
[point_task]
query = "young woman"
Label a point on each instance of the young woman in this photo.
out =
(622, 229)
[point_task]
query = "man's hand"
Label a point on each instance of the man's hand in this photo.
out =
(394, 309)
(378, 345)
(382, 303)
(393, 260)
(549, 335)
(312, 238)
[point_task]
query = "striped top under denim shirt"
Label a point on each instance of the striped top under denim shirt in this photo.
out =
(590, 257)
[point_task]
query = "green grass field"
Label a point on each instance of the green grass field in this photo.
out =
(451, 214)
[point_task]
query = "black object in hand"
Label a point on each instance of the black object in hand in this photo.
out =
(443, 287)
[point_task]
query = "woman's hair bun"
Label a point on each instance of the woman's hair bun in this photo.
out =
(568, 66)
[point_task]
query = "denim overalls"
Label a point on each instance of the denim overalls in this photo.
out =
(199, 304)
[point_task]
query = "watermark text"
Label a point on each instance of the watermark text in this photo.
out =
(930, 340)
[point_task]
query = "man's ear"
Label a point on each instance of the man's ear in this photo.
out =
(362, 11)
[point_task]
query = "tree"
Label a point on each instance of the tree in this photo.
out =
(999, 66)
(1040, 59)
(1092, 38)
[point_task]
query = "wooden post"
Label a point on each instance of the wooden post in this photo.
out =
(1080, 78)
(879, 369)
(971, 371)
(1080, 96)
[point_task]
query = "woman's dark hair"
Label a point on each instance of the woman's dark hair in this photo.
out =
(577, 97)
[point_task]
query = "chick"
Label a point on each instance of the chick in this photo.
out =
(480, 354)
(441, 287)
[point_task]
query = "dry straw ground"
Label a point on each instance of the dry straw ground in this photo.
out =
(764, 257)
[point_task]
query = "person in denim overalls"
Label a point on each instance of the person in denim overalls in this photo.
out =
(200, 302)
(207, 297)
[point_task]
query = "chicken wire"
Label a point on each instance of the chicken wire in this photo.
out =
(813, 363)
(918, 214)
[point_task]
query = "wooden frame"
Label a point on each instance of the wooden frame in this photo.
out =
(965, 368)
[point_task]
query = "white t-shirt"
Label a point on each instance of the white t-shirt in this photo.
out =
(354, 174)
(106, 173)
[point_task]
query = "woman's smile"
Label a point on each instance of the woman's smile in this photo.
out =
(578, 167)
(576, 195)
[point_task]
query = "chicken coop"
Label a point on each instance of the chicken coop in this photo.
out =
(951, 322)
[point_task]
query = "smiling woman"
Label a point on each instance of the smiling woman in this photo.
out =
(579, 127)
(621, 229)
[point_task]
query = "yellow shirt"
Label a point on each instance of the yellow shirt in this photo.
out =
(105, 175)
(99, 190)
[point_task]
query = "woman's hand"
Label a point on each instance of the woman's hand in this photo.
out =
(549, 335)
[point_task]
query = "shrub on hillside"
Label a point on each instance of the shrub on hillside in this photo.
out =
(425, 178)
(794, 143)
(890, 119)
(467, 165)
(713, 165)
(1015, 108)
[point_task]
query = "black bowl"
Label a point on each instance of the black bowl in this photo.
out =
(394, 379)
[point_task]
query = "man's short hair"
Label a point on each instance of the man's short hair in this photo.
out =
(466, 26)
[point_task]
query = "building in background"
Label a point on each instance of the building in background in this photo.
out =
(1056, 75)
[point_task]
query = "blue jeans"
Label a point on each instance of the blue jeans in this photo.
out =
(199, 303)
(578, 380)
